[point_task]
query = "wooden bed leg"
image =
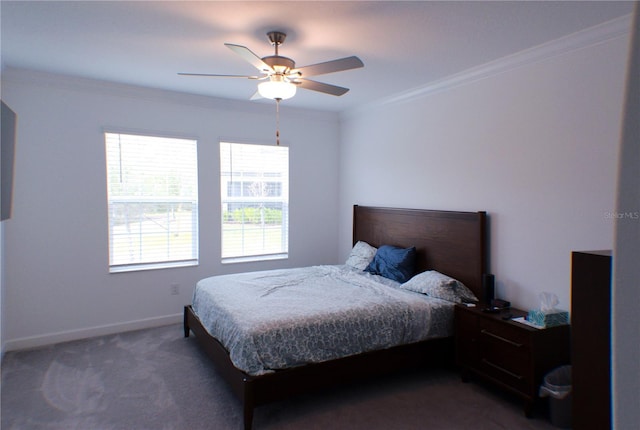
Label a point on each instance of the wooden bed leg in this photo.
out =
(248, 417)
(248, 406)
(528, 408)
(464, 376)
(185, 322)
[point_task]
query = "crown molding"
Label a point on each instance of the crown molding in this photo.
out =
(613, 29)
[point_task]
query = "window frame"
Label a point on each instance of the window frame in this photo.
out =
(227, 183)
(172, 201)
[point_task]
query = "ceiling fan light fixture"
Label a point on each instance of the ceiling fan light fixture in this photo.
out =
(277, 89)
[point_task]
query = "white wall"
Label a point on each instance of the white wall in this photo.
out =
(57, 282)
(535, 146)
(626, 294)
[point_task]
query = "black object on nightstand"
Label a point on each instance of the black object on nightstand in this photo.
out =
(506, 353)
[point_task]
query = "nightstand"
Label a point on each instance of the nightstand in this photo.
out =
(506, 353)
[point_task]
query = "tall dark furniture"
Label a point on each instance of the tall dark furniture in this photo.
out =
(591, 339)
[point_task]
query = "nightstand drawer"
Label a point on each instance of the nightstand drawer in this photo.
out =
(505, 353)
(509, 366)
(502, 334)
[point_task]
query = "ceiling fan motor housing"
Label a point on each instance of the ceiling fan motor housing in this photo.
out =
(279, 64)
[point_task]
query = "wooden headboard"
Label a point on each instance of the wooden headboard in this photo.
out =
(453, 243)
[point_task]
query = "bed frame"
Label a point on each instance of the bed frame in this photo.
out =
(450, 242)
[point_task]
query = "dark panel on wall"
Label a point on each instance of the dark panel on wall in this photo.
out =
(7, 154)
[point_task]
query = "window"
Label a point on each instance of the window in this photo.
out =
(152, 188)
(254, 193)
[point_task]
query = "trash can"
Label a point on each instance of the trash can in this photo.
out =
(557, 386)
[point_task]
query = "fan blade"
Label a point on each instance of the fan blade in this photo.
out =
(249, 56)
(321, 87)
(347, 63)
(220, 76)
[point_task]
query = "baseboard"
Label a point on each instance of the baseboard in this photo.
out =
(85, 333)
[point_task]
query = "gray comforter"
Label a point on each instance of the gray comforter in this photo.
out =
(282, 318)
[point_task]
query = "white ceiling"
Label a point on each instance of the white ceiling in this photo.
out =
(404, 45)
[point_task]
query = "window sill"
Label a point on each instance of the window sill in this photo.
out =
(151, 266)
(252, 258)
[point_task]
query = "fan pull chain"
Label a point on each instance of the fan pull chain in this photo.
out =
(277, 122)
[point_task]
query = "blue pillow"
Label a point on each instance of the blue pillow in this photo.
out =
(394, 263)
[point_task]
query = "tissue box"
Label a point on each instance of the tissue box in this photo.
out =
(548, 318)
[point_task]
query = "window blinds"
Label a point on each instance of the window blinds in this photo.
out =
(254, 190)
(152, 187)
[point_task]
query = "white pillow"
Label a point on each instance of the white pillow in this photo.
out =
(361, 255)
(438, 285)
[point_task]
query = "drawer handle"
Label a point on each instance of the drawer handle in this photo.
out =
(502, 369)
(495, 336)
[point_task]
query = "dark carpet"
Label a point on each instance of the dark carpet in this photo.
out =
(156, 379)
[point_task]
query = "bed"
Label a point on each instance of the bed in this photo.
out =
(452, 243)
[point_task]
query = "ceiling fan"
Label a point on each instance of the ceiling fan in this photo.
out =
(280, 76)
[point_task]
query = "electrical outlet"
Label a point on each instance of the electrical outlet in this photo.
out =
(174, 289)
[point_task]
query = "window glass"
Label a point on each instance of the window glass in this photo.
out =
(152, 188)
(254, 191)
